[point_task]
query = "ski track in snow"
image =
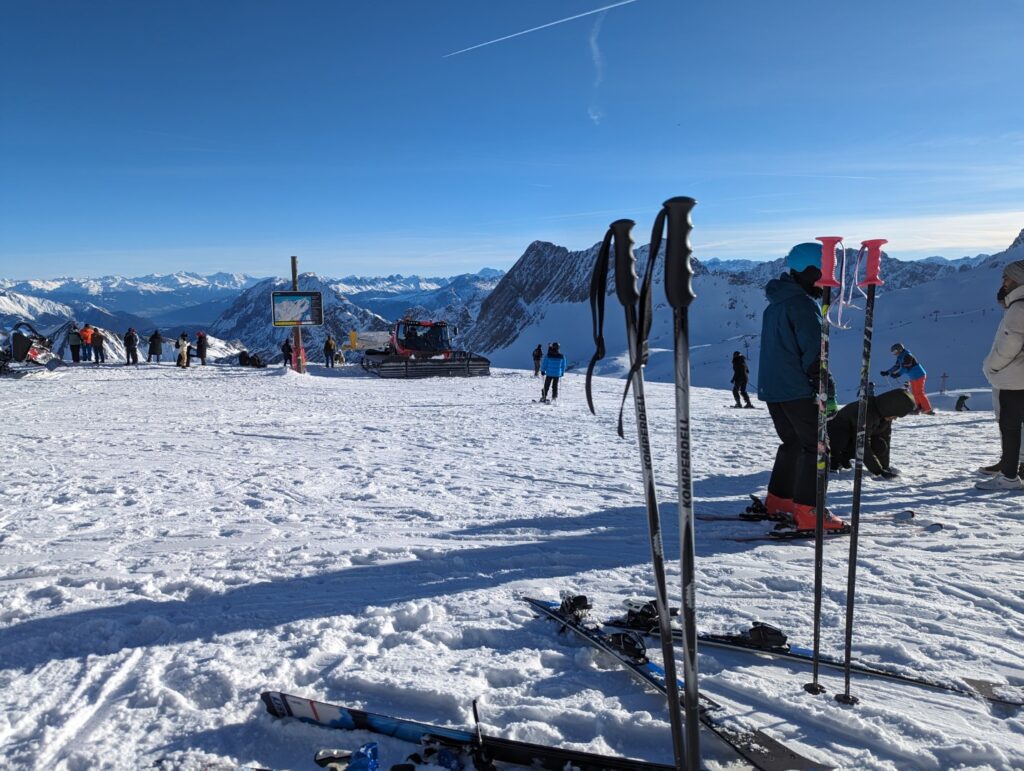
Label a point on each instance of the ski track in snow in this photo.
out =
(172, 543)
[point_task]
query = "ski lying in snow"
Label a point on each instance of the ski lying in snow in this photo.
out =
(767, 640)
(756, 747)
(923, 528)
(488, 749)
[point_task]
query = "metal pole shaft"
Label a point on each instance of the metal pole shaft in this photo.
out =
(858, 476)
(657, 549)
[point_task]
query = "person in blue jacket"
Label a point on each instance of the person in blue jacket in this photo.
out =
(553, 367)
(788, 383)
(910, 368)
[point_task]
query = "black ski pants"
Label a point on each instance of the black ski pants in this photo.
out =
(76, 353)
(1011, 416)
(131, 355)
(794, 474)
(550, 382)
(740, 388)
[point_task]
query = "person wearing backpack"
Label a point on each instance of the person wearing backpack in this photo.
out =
(1004, 369)
(553, 368)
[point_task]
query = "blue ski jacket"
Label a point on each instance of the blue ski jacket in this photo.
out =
(906, 366)
(790, 343)
(553, 366)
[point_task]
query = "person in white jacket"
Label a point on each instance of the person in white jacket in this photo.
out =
(1004, 368)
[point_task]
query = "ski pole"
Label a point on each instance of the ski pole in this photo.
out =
(871, 280)
(626, 289)
(679, 292)
(826, 282)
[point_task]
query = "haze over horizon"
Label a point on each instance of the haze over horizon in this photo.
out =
(439, 139)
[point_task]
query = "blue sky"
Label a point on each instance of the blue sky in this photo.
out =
(156, 136)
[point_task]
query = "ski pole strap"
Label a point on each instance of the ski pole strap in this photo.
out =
(598, 292)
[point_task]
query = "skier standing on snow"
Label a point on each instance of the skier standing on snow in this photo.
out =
(131, 347)
(1004, 369)
(98, 339)
(881, 411)
(156, 347)
(909, 367)
(182, 345)
(553, 368)
(787, 381)
(286, 351)
(329, 348)
(202, 346)
(75, 343)
(86, 334)
(740, 377)
(537, 356)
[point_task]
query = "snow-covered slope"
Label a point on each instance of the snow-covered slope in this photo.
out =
(945, 314)
(249, 319)
(175, 542)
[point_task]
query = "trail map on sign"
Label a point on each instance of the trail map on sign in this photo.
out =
(297, 309)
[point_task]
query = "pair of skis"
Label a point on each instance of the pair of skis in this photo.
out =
(766, 640)
(483, 749)
(637, 304)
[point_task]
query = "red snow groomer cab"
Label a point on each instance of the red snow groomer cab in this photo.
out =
(423, 349)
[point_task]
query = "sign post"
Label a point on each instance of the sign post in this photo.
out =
(297, 309)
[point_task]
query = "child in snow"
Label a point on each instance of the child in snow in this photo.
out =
(740, 377)
(1004, 368)
(881, 411)
(909, 367)
(787, 381)
(553, 368)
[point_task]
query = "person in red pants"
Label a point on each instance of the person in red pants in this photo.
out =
(909, 367)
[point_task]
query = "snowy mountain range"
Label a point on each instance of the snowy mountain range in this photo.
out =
(943, 310)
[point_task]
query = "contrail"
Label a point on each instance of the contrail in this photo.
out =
(542, 26)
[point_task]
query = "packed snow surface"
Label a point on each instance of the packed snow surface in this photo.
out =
(174, 542)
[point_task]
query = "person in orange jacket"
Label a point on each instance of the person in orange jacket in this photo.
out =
(86, 334)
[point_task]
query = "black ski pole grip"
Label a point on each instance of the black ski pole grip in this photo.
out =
(678, 268)
(625, 263)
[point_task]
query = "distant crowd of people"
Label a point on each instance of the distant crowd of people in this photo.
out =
(88, 344)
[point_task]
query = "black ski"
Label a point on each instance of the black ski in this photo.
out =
(759, 749)
(489, 748)
(767, 640)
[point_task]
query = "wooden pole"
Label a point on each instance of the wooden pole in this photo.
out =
(298, 360)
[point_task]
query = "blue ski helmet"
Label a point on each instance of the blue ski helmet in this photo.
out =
(803, 256)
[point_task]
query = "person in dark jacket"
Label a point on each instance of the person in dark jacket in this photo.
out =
(329, 349)
(75, 344)
(882, 410)
(98, 339)
(156, 347)
(740, 377)
(788, 374)
(131, 347)
(202, 346)
(286, 351)
(553, 368)
(538, 354)
(961, 403)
